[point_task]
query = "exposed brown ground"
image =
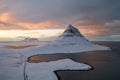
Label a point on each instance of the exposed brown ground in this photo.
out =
(45, 58)
(18, 47)
(34, 59)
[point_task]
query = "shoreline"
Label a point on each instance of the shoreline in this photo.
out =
(59, 77)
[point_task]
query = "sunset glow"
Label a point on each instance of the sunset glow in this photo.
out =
(21, 34)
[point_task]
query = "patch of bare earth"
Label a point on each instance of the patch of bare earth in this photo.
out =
(18, 47)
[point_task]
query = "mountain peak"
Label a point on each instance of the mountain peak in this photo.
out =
(71, 30)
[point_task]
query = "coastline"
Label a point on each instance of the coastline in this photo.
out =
(59, 77)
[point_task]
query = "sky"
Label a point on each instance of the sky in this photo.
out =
(98, 20)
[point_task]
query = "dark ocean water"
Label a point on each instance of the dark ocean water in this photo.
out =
(106, 63)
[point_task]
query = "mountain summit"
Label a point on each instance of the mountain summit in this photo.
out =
(71, 30)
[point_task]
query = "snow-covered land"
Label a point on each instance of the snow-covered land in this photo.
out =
(12, 68)
(71, 41)
(22, 43)
(46, 69)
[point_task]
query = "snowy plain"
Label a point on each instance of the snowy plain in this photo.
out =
(12, 66)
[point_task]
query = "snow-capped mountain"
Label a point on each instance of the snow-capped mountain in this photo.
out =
(71, 31)
(71, 41)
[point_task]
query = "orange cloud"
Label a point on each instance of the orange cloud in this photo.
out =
(91, 27)
(7, 21)
(40, 25)
(4, 17)
(92, 30)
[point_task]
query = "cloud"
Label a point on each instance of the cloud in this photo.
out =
(41, 10)
(92, 17)
(10, 26)
(40, 25)
(29, 26)
(6, 17)
(98, 27)
(113, 27)
(93, 30)
(115, 23)
(91, 27)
